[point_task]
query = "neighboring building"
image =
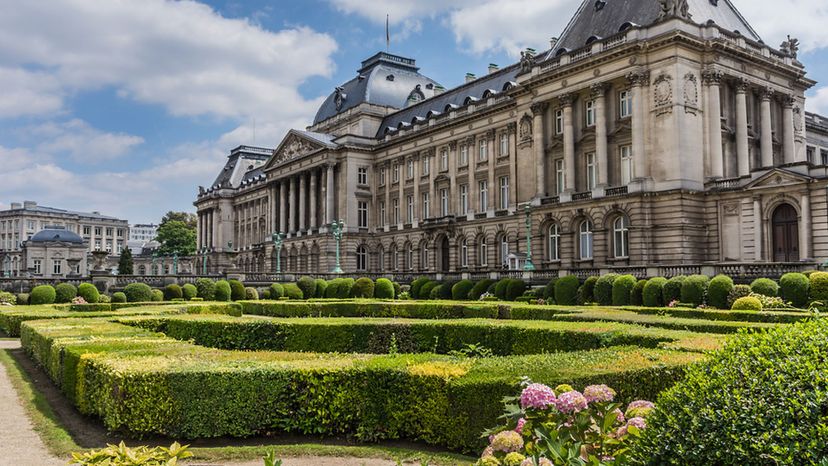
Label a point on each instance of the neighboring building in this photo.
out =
(651, 134)
(21, 222)
(140, 235)
(55, 253)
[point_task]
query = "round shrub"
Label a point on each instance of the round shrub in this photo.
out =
(693, 289)
(717, 291)
(292, 291)
(397, 289)
(343, 290)
(138, 292)
(65, 293)
(425, 289)
(416, 285)
(251, 293)
(321, 287)
(89, 293)
(105, 299)
(765, 286)
(622, 288)
(308, 287)
(276, 291)
(672, 289)
(566, 290)
(603, 289)
(265, 293)
(189, 291)
(23, 299)
(173, 291)
(479, 288)
(759, 400)
(43, 294)
(747, 303)
(118, 297)
(206, 289)
(819, 287)
(363, 288)
(223, 291)
(637, 295)
(501, 287)
(793, 288)
(236, 290)
(654, 292)
(588, 293)
(738, 291)
(435, 292)
(157, 295)
(445, 291)
(384, 289)
(460, 290)
(514, 289)
(549, 290)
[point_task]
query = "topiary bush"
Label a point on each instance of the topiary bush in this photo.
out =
(118, 297)
(460, 291)
(206, 289)
(292, 291)
(566, 290)
(819, 287)
(223, 291)
(588, 292)
(445, 291)
(717, 290)
(236, 290)
(738, 291)
(397, 289)
(308, 287)
(694, 289)
(173, 291)
(672, 289)
(89, 293)
(265, 293)
(7, 299)
(363, 288)
(65, 293)
(384, 289)
(138, 292)
(622, 288)
(549, 291)
(501, 287)
(321, 287)
(654, 292)
(425, 289)
(416, 285)
(276, 291)
(514, 289)
(435, 292)
(637, 295)
(23, 299)
(250, 293)
(343, 289)
(189, 291)
(479, 288)
(793, 288)
(765, 286)
(760, 400)
(158, 295)
(747, 303)
(603, 289)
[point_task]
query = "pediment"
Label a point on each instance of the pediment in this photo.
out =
(293, 146)
(777, 177)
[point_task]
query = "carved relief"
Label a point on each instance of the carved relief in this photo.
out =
(663, 94)
(525, 128)
(295, 147)
(712, 76)
(797, 117)
(539, 107)
(339, 98)
(691, 93)
(674, 9)
(638, 78)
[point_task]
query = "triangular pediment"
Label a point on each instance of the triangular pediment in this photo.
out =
(295, 145)
(777, 177)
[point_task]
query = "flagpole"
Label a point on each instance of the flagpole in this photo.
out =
(387, 34)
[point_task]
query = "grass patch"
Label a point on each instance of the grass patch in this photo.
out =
(400, 454)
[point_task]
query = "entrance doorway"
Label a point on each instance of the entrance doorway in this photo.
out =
(443, 254)
(785, 234)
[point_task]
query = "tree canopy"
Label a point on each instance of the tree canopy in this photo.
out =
(125, 264)
(176, 237)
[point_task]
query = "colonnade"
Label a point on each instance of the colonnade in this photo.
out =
(297, 208)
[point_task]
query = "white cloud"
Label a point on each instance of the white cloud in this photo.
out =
(818, 102)
(773, 21)
(77, 139)
(398, 11)
(28, 93)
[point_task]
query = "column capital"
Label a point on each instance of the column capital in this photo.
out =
(490, 134)
(452, 145)
(566, 100)
(539, 107)
(787, 100)
(470, 140)
(598, 90)
(742, 85)
(511, 127)
(712, 76)
(638, 78)
(766, 93)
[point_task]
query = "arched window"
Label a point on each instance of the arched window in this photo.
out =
(620, 237)
(483, 252)
(424, 256)
(395, 258)
(504, 252)
(409, 257)
(464, 253)
(381, 259)
(361, 258)
(142, 270)
(554, 249)
(585, 240)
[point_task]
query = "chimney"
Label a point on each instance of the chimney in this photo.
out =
(493, 68)
(29, 204)
(553, 42)
(15, 205)
(438, 89)
(470, 77)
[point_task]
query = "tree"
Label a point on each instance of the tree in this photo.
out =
(125, 263)
(176, 237)
(188, 218)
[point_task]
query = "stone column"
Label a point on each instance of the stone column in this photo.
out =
(283, 208)
(713, 79)
(313, 202)
(387, 220)
(494, 189)
(569, 144)
(757, 228)
(200, 243)
(788, 129)
(303, 196)
(598, 91)
(742, 153)
(402, 202)
(766, 138)
(418, 214)
(452, 154)
(292, 205)
(329, 194)
(638, 82)
(805, 226)
(539, 146)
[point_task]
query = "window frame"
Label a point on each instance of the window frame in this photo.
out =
(560, 176)
(553, 249)
(361, 258)
(362, 214)
(624, 104)
(591, 171)
(589, 113)
(621, 237)
(362, 176)
(559, 121)
(625, 163)
(586, 240)
(504, 192)
(463, 199)
(483, 195)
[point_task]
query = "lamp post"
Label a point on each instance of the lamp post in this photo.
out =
(528, 266)
(175, 263)
(337, 229)
(277, 243)
(204, 261)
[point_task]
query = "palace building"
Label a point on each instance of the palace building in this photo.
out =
(652, 133)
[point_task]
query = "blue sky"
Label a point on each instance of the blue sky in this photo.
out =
(127, 106)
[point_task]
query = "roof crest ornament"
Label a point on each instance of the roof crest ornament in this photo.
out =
(790, 47)
(674, 9)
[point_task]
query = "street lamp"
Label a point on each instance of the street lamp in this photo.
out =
(528, 266)
(337, 229)
(175, 263)
(154, 258)
(277, 243)
(204, 261)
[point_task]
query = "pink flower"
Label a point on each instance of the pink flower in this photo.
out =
(521, 422)
(619, 416)
(571, 402)
(598, 393)
(638, 422)
(537, 396)
(639, 408)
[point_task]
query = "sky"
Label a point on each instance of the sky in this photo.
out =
(127, 106)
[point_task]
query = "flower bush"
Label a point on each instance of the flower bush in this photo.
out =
(568, 428)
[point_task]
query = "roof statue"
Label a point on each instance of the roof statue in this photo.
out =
(674, 8)
(527, 61)
(790, 47)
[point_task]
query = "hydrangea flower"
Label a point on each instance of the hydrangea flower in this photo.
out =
(542, 461)
(537, 396)
(639, 408)
(488, 461)
(488, 451)
(638, 422)
(619, 416)
(521, 422)
(598, 393)
(513, 459)
(507, 441)
(571, 402)
(563, 388)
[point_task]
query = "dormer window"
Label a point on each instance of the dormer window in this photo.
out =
(390, 77)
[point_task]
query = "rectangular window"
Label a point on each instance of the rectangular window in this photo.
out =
(120, 232)
(484, 150)
(504, 144)
(626, 165)
(483, 188)
(559, 176)
(504, 192)
(109, 247)
(823, 155)
(444, 206)
(97, 245)
(410, 169)
(426, 206)
(395, 175)
(383, 219)
(120, 248)
(396, 206)
(31, 225)
(559, 123)
(36, 266)
(109, 232)
(464, 155)
(426, 165)
(98, 231)
(362, 214)
(362, 175)
(590, 113)
(382, 176)
(56, 267)
(591, 171)
(444, 160)
(464, 199)
(624, 104)
(810, 151)
(409, 210)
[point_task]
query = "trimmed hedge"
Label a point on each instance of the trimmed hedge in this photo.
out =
(654, 292)
(308, 287)
(189, 291)
(717, 291)
(425, 289)
(119, 297)
(158, 296)
(819, 288)
(251, 293)
(622, 288)
(223, 291)
(694, 289)
(748, 303)
(603, 289)
(363, 288)
(460, 291)
(405, 309)
(672, 289)
(588, 292)
(738, 291)
(384, 289)
(173, 291)
(293, 291)
(416, 285)
(138, 293)
(339, 288)
(43, 294)
(277, 291)
(321, 287)
(479, 288)
(206, 289)
(637, 295)
(566, 290)
(549, 291)
(515, 288)
(236, 290)
(65, 293)
(765, 286)
(793, 288)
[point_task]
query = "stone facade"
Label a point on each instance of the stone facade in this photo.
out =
(671, 141)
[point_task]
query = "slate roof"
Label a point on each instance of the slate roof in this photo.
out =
(52, 233)
(242, 160)
(53, 210)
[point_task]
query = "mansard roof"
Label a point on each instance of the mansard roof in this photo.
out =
(242, 161)
(56, 234)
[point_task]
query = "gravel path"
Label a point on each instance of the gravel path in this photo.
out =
(21, 444)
